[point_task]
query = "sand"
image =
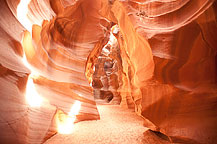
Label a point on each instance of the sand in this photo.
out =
(116, 126)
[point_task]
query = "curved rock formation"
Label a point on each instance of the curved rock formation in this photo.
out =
(180, 99)
(163, 65)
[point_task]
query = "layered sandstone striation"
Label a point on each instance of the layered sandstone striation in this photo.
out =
(180, 99)
(161, 62)
(56, 50)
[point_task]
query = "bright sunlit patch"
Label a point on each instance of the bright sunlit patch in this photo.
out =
(65, 123)
(22, 10)
(112, 39)
(75, 108)
(115, 29)
(32, 97)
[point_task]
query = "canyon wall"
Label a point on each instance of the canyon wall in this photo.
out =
(55, 48)
(180, 98)
(163, 65)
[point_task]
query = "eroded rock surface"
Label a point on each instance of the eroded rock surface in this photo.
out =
(163, 64)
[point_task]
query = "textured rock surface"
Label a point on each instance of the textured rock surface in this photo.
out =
(163, 66)
(181, 98)
(57, 58)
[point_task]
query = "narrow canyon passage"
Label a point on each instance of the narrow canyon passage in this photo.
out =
(108, 71)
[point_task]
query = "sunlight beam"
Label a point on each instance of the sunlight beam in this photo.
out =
(65, 123)
(22, 11)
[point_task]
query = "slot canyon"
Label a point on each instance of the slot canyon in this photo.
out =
(108, 71)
